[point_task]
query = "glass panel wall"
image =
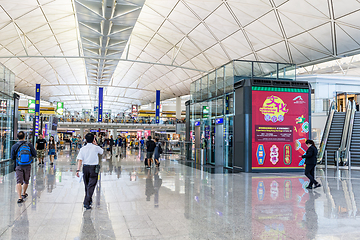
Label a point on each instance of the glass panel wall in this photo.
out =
(220, 81)
(212, 85)
(6, 108)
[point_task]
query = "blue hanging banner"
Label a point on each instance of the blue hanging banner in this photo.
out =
(37, 108)
(157, 113)
(101, 97)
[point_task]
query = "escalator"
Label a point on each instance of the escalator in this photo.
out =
(335, 135)
(355, 141)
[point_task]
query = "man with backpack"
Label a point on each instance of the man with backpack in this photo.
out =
(23, 153)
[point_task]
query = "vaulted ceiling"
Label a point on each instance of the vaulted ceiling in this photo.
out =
(132, 48)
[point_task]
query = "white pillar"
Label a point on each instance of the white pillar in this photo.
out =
(178, 108)
(111, 132)
(81, 132)
(115, 134)
(152, 106)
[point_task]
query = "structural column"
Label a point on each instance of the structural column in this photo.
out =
(82, 132)
(115, 133)
(178, 108)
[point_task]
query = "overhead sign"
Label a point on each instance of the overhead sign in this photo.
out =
(100, 113)
(37, 108)
(60, 108)
(157, 111)
(206, 111)
(219, 121)
(197, 123)
(31, 106)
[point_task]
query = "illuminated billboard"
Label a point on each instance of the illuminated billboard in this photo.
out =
(60, 108)
(280, 127)
(31, 106)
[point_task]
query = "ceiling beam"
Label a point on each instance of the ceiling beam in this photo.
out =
(94, 85)
(108, 58)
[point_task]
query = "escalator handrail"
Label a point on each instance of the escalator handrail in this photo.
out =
(346, 126)
(326, 131)
(349, 135)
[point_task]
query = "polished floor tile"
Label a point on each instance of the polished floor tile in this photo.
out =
(178, 201)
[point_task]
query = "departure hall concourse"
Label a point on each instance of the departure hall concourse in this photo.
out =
(216, 119)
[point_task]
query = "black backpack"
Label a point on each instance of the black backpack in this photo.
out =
(160, 149)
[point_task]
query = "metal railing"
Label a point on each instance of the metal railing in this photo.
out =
(114, 121)
(326, 132)
(346, 126)
(337, 163)
(345, 151)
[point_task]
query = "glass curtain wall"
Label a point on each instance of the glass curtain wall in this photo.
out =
(6, 110)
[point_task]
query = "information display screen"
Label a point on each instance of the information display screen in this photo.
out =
(280, 127)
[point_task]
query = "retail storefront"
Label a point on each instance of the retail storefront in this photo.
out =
(223, 114)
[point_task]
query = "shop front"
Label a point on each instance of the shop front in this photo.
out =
(249, 116)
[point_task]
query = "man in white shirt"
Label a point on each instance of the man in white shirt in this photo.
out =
(88, 156)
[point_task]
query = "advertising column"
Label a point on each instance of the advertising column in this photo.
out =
(37, 109)
(157, 112)
(100, 110)
(280, 127)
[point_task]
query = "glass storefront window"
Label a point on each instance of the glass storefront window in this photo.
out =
(197, 91)
(6, 109)
(268, 70)
(212, 85)
(213, 108)
(228, 141)
(287, 71)
(220, 107)
(192, 91)
(204, 88)
(229, 78)
(220, 81)
(243, 69)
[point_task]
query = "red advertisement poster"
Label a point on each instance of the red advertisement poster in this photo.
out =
(278, 207)
(280, 127)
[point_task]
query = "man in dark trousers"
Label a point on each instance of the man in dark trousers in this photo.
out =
(111, 144)
(22, 150)
(310, 162)
(150, 147)
(88, 156)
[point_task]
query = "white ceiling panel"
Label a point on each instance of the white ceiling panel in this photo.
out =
(66, 48)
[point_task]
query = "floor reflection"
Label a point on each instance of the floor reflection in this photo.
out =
(178, 201)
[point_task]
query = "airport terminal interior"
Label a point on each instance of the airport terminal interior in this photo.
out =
(230, 90)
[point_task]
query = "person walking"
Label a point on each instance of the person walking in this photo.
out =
(310, 164)
(111, 144)
(142, 143)
(150, 147)
(40, 147)
(157, 152)
(89, 158)
(118, 144)
(52, 149)
(22, 152)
